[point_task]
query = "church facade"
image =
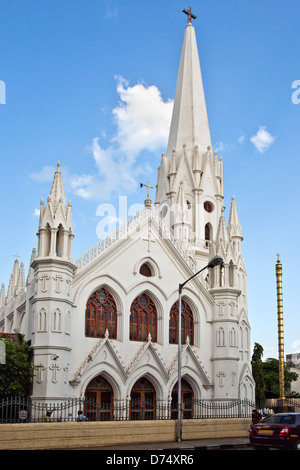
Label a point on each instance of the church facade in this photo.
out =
(105, 326)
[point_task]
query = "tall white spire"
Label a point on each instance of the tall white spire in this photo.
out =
(189, 157)
(189, 123)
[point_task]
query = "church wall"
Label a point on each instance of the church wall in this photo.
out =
(117, 274)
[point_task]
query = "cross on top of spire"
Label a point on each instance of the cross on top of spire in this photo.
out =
(147, 186)
(190, 15)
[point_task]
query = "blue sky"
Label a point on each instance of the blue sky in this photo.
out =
(85, 83)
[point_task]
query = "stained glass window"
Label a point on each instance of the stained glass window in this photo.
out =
(143, 319)
(187, 324)
(101, 315)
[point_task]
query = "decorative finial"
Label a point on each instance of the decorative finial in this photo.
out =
(190, 15)
(278, 255)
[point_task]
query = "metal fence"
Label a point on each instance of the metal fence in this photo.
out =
(17, 410)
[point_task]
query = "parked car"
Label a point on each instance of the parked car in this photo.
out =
(281, 430)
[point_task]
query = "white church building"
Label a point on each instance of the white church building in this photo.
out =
(105, 326)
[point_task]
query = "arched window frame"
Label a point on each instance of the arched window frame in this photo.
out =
(232, 337)
(220, 337)
(143, 319)
(42, 320)
(56, 320)
(101, 315)
(146, 270)
(187, 323)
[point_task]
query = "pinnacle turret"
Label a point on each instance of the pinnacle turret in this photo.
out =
(55, 224)
(234, 226)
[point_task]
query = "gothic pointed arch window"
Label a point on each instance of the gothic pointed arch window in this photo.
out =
(56, 320)
(101, 315)
(42, 320)
(220, 337)
(187, 323)
(143, 319)
(146, 270)
(208, 232)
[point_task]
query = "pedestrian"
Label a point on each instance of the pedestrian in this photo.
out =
(81, 416)
(256, 417)
(47, 416)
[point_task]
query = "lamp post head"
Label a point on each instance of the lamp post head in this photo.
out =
(215, 261)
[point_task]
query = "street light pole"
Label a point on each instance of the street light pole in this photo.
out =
(215, 261)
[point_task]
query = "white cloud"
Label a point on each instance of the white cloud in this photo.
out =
(262, 140)
(142, 120)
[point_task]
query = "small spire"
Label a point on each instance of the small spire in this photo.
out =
(222, 231)
(57, 193)
(234, 225)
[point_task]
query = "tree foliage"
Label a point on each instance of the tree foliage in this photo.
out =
(16, 372)
(258, 373)
(271, 376)
(266, 376)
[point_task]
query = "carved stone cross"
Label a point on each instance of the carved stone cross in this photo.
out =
(58, 278)
(54, 368)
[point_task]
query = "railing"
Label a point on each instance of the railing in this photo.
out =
(286, 405)
(16, 410)
(125, 231)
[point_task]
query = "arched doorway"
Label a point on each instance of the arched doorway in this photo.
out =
(99, 400)
(187, 396)
(143, 398)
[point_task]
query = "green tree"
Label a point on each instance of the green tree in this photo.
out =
(258, 374)
(16, 372)
(271, 377)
